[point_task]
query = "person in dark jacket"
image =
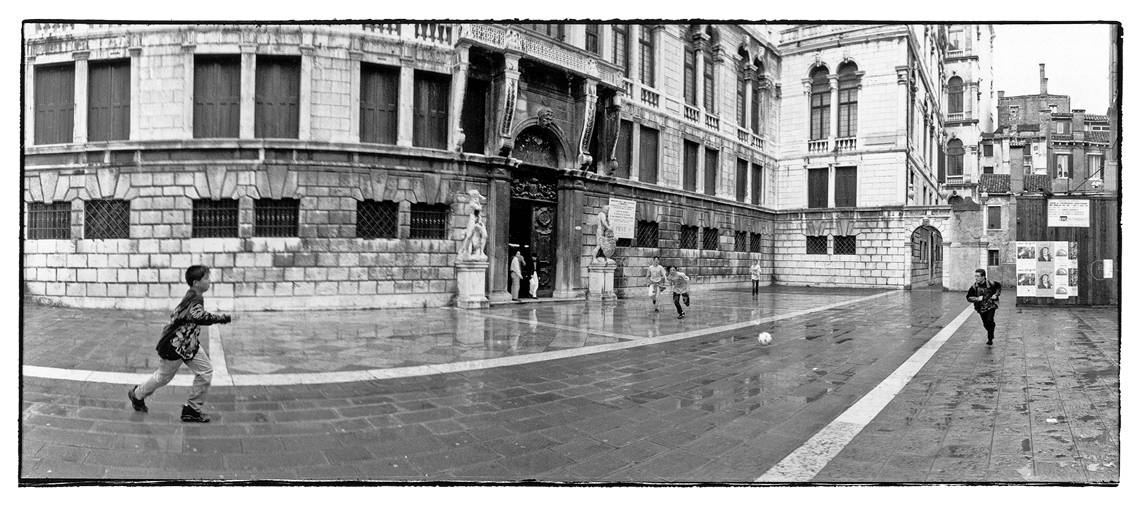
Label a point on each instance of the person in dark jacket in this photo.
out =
(984, 294)
(179, 345)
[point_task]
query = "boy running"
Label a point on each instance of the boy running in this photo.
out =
(179, 345)
(680, 283)
(656, 275)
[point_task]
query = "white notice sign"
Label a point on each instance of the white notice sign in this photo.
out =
(1068, 213)
(623, 214)
(1107, 269)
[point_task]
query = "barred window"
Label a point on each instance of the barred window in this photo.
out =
(646, 234)
(107, 219)
(710, 239)
(688, 237)
(49, 221)
(740, 245)
(429, 221)
(275, 217)
(754, 243)
(377, 219)
(817, 244)
(214, 218)
(624, 242)
(844, 245)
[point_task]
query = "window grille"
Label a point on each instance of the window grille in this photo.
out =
(377, 219)
(844, 245)
(429, 221)
(754, 243)
(740, 245)
(275, 217)
(107, 219)
(710, 239)
(817, 244)
(688, 237)
(49, 221)
(214, 218)
(646, 234)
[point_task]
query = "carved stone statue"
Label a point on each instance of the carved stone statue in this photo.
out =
(607, 243)
(475, 235)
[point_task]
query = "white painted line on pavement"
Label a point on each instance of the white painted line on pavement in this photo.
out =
(810, 458)
(218, 357)
(557, 326)
(423, 370)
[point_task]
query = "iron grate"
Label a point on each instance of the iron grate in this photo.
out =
(49, 221)
(740, 244)
(275, 217)
(710, 239)
(377, 219)
(429, 221)
(754, 243)
(107, 219)
(688, 237)
(647, 234)
(817, 244)
(844, 245)
(214, 218)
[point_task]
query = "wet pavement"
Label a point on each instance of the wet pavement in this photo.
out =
(1041, 405)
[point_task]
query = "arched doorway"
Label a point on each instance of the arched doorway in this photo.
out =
(534, 206)
(926, 257)
(537, 145)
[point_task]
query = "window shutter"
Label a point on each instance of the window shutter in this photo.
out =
(624, 149)
(648, 159)
(845, 186)
(741, 179)
(217, 96)
(109, 101)
(278, 95)
(55, 104)
(817, 188)
(712, 162)
(757, 183)
(690, 176)
(379, 102)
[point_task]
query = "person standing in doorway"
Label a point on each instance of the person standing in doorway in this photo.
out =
(755, 271)
(656, 275)
(680, 283)
(984, 294)
(517, 263)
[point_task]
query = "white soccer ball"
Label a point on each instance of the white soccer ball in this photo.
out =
(764, 338)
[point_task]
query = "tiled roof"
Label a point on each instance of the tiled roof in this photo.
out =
(1037, 182)
(994, 183)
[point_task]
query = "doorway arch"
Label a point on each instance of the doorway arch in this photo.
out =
(537, 145)
(925, 257)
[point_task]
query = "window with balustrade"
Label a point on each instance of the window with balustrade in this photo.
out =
(740, 241)
(379, 103)
(276, 217)
(844, 245)
(429, 221)
(646, 234)
(954, 156)
(754, 242)
(430, 103)
(647, 52)
(709, 70)
(820, 104)
(108, 100)
(848, 100)
(54, 97)
(106, 219)
(214, 218)
(690, 71)
(955, 92)
(817, 244)
(593, 39)
(277, 109)
(377, 219)
(621, 48)
(710, 239)
(758, 100)
(689, 237)
(217, 96)
(49, 221)
(741, 98)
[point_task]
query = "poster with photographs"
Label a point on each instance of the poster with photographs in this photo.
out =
(1060, 270)
(1046, 269)
(1045, 272)
(1073, 270)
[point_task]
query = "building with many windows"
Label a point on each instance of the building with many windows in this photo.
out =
(329, 165)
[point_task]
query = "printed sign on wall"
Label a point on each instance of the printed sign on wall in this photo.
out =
(623, 213)
(1046, 269)
(1068, 213)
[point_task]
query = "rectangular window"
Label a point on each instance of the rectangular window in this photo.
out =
(217, 96)
(377, 219)
(276, 217)
(993, 218)
(689, 178)
(429, 221)
(759, 109)
(1064, 165)
(645, 48)
(1064, 127)
(817, 244)
(379, 103)
(846, 185)
(712, 164)
(820, 112)
(473, 118)
(741, 94)
(429, 124)
(754, 242)
(647, 170)
(844, 245)
(107, 219)
(690, 77)
(592, 31)
(49, 221)
(710, 239)
(741, 180)
(987, 149)
(740, 242)
(848, 109)
(214, 218)
(688, 237)
(624, 149)
(621, 48)
(55, 103)
(1096, 166)
(709, 84)
(988, 169)
(757, 183)
(277, 110)
(646, 234)
(817, 188)
(109, 100)
(993, 257)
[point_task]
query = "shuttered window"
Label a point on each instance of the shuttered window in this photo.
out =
(277, 111)
(647, 53)
(757, 112)
(691, 75)
(712, 164)
(845, 186)
(741, 179)
(709, 82)
(429, 125)
(109, 100)
(379, 103)
(741, 96)
(757, 183)
(55, 103)
(474, 117)
(217, 96)
(647, 171)
(624, 149)
(993, 218)
(689, 181)
(817, 188)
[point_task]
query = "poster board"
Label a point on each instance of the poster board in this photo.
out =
(1068, 213)
(623, 215)
(1047, 269)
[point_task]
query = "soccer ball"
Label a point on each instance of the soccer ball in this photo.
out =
(764, 338)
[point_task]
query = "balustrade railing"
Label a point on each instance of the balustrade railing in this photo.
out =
(712, 122)
(650, 97)
(627, 86)
(390, 29)
(757, 142)
(845, 144)
(743, 136)
(692, 113)
(435, 33)
(819, 146)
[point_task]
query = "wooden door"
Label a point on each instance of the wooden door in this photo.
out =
(543, 245)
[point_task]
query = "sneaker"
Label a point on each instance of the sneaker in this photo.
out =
(681, 316)
(990, 342)
(190, 414)
(655, 310)
(138, 404)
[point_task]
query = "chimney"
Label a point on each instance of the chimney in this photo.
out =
(1044, 81)
(1001, 94)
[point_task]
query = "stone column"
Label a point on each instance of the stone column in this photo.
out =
(497, 214)
(248, 108)
(354, 57)
(455, 135)
(587, 106)
(833, 131)
(187, 86)
(405, 109)
(79, 130)
(305, 107)
(902, 74)
(568, 282)
(749, 78)
(634, 49)
(699, 41)
(506, 85)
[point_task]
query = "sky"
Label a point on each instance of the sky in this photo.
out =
(1075, 58)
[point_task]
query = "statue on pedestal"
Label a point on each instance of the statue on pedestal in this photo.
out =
(475, 235)
(607, 243)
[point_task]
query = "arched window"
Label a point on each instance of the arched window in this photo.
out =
(954, 154)
(820, 103)
(710, 70)
(954, 90)
(848, 100)
(646, 51)
(758, 103)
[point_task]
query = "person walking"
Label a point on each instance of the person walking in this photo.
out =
(680, 283)
(755, 271)
(516, 274)
(179, 345)
(984, 294)
(656, 275)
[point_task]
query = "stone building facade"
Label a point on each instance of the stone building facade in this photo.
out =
(328, 166)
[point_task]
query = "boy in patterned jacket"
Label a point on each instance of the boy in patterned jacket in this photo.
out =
(179, 344)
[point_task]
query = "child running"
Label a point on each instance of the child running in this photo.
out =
(656, 275)
(179, 344)
(680, 283)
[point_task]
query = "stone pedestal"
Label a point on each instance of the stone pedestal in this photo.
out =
(472, 284)
(601, 281)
